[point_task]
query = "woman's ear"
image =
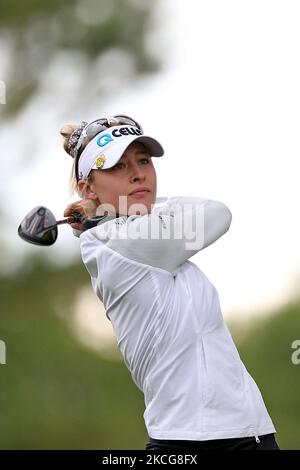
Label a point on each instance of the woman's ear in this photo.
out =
(84, 187)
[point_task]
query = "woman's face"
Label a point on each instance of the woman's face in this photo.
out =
(134, 170)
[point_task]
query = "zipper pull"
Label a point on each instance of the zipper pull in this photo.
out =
(257, 439)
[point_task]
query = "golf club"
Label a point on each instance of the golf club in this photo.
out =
(39, 226)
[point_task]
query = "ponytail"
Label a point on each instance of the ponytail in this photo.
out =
(71, 133)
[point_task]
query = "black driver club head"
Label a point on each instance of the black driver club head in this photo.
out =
(39, 227)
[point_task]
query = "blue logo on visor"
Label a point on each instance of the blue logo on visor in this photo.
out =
(104, 140)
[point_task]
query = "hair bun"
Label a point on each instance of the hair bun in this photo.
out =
(71, 133)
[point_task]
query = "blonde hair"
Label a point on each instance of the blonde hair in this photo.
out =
(71, 133)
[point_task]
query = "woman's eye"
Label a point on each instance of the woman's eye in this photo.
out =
(118, 165)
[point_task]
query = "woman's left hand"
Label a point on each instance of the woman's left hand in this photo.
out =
(86, 207)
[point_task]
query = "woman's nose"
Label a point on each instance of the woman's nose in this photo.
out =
(137, 172)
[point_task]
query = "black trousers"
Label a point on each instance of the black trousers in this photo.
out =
(267, 442)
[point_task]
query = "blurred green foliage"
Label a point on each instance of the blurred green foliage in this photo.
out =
(267, 354)
(36, 31)
(55, 393)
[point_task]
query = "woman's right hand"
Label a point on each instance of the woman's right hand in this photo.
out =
(86, 207)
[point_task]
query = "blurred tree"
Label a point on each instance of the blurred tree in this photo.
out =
(56, 393)
(35, 32)
(266, 349)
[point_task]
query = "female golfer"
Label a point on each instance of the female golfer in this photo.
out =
(164, 310)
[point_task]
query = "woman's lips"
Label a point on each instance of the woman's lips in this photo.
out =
(139, 193)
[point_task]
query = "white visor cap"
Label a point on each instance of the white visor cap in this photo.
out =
(107, 147)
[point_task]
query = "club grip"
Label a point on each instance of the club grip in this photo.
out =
(77, 217)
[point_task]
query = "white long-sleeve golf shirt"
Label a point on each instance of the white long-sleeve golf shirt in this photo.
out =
(168, 321)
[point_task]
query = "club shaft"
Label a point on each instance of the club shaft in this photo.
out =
(68, 220)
